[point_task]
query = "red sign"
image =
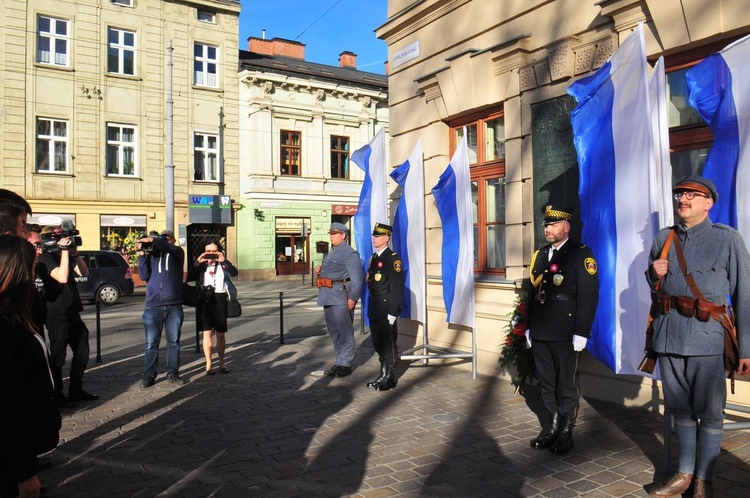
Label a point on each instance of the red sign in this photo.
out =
(344, 209)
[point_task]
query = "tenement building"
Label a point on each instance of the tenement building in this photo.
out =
(502, 70)
(100, 96)
(299, 124)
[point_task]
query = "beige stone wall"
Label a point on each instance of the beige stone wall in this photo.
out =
(88, 97)
(465, 55)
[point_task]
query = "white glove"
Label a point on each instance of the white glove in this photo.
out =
(579, 343)
(391, 319)
(528, 338)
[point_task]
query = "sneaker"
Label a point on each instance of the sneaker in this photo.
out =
(331, 372)
(176, 379)
(147, 381)
(81, 395)
(342, 372)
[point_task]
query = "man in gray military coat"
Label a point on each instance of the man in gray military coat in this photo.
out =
(339, 285)
(705, 263)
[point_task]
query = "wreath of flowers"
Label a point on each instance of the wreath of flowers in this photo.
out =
(515, 353)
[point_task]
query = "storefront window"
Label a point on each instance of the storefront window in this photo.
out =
(120, 233)
(291, 246)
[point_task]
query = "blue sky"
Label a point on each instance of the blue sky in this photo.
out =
(349, 25)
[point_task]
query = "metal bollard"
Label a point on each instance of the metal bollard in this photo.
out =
(281, 318)
(98, 331)
(197, 335)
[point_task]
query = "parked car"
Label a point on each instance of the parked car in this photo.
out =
(109, 277)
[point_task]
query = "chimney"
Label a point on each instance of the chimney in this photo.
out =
(276, 46)
(348, 59)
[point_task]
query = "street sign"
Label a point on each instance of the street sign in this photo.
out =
(216, 209)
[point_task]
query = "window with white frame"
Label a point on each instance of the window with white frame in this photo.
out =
(52, 41)
(121, 150)
(120, 51)
(51, 146)
(127, 3)
(206, 65)
(206, 163)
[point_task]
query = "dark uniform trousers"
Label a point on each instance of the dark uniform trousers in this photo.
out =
(562, 299)
(385, 281)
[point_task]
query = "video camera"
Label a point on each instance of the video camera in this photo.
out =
(148, 247)
(50, 241)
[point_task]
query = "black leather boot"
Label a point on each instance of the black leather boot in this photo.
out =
(389, 380)
(547, 437)
(564, 441)
(380, 378)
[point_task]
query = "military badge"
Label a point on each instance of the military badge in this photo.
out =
(557, 279)
(380, 264)
(378, 276)
(397, 265)
(554, 268)
(590, 264)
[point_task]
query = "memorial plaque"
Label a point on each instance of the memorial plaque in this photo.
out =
(555, 163)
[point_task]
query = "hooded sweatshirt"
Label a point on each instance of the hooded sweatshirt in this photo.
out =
(162, 271)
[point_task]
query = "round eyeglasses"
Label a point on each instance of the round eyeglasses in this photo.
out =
(689, 194)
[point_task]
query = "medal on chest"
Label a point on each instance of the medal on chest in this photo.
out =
(378, 276)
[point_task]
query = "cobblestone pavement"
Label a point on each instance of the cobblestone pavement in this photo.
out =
(275, 426)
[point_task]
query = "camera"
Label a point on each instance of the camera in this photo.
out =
(206, 293)
(211, 256)
(50, 241)
(148, 247)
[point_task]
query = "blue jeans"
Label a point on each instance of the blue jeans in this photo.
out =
(156, 319)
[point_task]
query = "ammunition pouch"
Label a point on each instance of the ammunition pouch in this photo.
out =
(685, 306)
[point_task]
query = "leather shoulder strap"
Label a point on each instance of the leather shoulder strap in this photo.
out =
(683, 266)
(665, 251)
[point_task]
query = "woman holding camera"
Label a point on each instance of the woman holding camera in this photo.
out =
(213, 274)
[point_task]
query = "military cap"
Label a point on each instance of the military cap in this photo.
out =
(382, 229)
(554, 214)
(338, 227)
(697, 183)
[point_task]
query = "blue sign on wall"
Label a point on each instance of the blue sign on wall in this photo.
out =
(210, 209)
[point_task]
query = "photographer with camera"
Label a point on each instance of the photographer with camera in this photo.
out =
(213, 274)
(160, 264)
(58, 266)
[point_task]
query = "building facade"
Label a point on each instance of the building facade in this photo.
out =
(504, 76)
(83, 128)
(299, 124)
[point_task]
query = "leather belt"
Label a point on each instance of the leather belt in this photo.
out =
(685, 306)
(559, 297)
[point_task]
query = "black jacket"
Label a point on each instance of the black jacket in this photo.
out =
(562, 294)
(385, 282)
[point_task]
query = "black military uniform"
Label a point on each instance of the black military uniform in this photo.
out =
(562, 295)
(385, 282)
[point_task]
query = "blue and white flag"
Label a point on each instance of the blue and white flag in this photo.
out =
(454, 204)
(720, 91)
(409, 233)
(373, 200)
(617, 161)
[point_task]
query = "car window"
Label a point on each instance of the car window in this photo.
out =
(106, 261)
(89, 260)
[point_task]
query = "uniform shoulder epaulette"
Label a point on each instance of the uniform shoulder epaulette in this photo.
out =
(723, 226)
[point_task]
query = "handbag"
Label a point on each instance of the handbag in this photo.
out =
(233, 308)
(189, 295)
